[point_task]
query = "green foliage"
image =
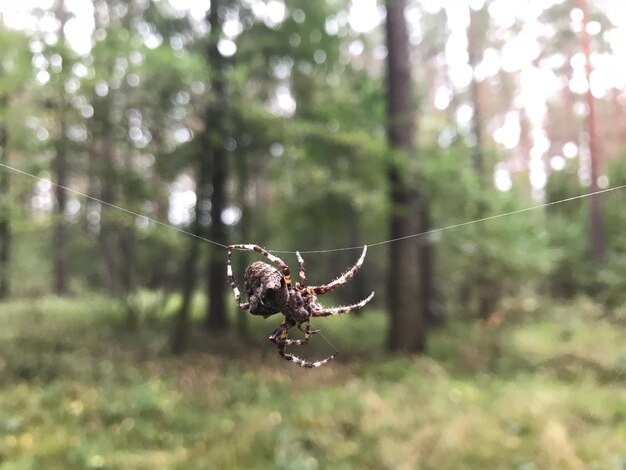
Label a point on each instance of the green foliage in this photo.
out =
(568, 233)
(307, 177)
(612, 277)
(306, 174)
(81, 391)
(485, 260)
(573, 271)
(542, 381)
(18, 95)
(15, 73)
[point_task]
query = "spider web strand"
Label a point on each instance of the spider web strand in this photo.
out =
(114, 206)
(461, 224)
(330, 250)
(329, 342)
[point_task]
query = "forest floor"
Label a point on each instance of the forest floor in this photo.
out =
(78, 389)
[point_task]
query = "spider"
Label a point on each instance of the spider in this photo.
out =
(270, 291)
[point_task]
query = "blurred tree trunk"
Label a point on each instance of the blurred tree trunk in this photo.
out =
(110, 237)
(105, 237)
(407, 326)
(60, 177)
(618, 129)
(180, 333)
(475, 50)
(126, 232)
(597, 234)
(212, 145)
(5, 212)
(189, 274)
(481, 285)
(426, 255)
(524, 147)
(126, 241)
(113, 168)
(243, 176)
(101, 172)
(210, 192)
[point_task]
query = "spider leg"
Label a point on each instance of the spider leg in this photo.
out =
(233, 283)
(284, 269)
(280, 335)
(307, 329)
(301, 272)
(325, 312)
(323, 289)
(302, 362)
(280, 339)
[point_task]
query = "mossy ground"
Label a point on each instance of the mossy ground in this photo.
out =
(78, 389)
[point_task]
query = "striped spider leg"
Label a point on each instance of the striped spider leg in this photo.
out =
(274, 259)
(327, 312)
(341, 280)
(280, 339)
(318, 311)
(233, 283)
(301, 272)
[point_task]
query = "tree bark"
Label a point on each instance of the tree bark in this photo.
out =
(215, 129)
(189, 274)
(104, 168)
(180, 332)
(428, 290)
(482, 284)
(597, 234)
(474, 52)
(60, 172)
(60, 177)
(407, 326)
(243, 176)
(126, 240)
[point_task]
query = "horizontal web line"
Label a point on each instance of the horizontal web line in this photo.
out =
(331, 250)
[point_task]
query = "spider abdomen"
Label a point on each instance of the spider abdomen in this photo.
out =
(266, 289)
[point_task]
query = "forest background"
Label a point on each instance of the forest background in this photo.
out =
(139, 137)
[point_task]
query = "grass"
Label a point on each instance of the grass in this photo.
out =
(78, 390)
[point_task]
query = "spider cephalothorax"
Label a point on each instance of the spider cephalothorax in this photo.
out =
(270, 291)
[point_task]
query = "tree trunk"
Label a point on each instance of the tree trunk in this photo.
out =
(60, 178)
(210, 188)
(106, 236)
(243, 170)
(474, 52)
(59, 170)
(126, 241)
(213, 146)
(407, 326)
(5, 214)
(597, 234)
(482, 284)
(180, 332)
(189, 275)
(428, 291)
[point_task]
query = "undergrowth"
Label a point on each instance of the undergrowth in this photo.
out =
(79, 388)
